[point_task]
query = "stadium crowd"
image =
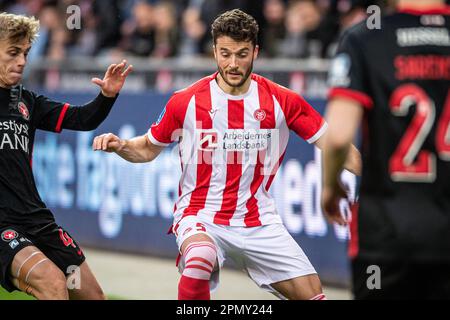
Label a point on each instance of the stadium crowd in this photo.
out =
(179, 28)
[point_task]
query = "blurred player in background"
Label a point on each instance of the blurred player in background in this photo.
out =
(35, 253)
(396, 81)
(232, 128)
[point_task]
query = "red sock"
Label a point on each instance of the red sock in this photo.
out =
(193, 289)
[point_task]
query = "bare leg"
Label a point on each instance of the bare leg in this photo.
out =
(300, 288)
(32, 272)
(83, 285)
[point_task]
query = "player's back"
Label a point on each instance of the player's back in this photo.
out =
(405, 191)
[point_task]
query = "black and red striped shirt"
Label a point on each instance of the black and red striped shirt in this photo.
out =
(20, 116)
(400, 74)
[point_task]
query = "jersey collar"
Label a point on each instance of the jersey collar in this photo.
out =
(215, 86)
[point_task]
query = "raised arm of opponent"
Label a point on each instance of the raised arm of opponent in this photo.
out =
(54, 116)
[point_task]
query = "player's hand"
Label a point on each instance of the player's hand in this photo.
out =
(107, 142)
(331, 197)
(114, 78)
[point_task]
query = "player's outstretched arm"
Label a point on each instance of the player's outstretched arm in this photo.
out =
(343, 117)
(90, 115)
(352, 161)
(137, 150)
(114, 79)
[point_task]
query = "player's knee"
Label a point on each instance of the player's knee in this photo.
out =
(199, 260)
(57, 288)
(311, 289)
(301, 288)
(50, 284)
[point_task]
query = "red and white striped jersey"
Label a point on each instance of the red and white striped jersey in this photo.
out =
(231, 147)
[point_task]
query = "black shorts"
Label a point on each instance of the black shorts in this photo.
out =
(51, 239)
(400, 279)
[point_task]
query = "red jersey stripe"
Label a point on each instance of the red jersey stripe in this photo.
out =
(272, 176)
(358, 96)
(234, 166)
(204, 157)
(61, 117)
(251, 219)
(266, 104)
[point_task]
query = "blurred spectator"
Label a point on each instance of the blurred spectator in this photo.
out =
(353, 13)
(107, 13)
(166, 33)
(348, 13)
(328, 29)
(53, 36)
(193, 31)
(302, 18)
(274, 30)
(83, 41)
(139, 32)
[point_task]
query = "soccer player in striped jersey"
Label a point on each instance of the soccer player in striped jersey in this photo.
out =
(232, 128)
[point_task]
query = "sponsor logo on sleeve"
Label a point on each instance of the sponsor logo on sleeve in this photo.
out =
(340, 71)
(161, 115)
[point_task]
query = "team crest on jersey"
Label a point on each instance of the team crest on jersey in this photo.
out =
(24, 111)
(9, 235)
(259, 115)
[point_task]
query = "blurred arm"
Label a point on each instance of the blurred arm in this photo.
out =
(343, 117)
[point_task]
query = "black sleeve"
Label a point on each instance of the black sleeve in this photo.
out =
(348, 71)
(54, 116)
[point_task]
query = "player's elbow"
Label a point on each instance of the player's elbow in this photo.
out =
(87, 125)
(338, 143)
(143, 158)
(150, 155)
(354, 161)
(150, 151)
(90, 126)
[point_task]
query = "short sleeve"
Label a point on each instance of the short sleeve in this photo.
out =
(167, 127)
(48, 114)
(303, 119)
(348, 73)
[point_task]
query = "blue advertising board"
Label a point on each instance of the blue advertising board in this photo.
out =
(106, 202)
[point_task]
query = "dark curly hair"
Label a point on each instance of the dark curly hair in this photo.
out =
(237, 25)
